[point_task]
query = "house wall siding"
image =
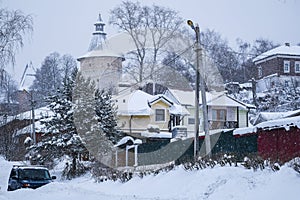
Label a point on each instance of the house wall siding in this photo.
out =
(243, 118)
(162, 125)
(275, 65)
(138, 123)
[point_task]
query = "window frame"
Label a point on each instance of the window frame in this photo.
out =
(286, 63)
(160, 114)
(191, 121)
(217, 113)
(259, 71)
(297, 63)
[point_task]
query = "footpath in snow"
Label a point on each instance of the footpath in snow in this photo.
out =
(215, 184)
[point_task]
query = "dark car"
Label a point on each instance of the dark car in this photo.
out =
(28, 177)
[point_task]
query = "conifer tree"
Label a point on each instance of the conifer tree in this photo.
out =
(61, 137)
(106, 112)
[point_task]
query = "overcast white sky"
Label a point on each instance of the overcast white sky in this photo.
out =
(66, 26)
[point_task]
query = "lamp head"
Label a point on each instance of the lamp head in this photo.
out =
(191, 24)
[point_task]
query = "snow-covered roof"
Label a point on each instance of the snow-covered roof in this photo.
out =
(126, 139)
(38, 113)
(101, 53)
(267, 116)
(176, 109)
(224, 100)
(27, 129)
(245, 130)
(284, 50)
(280, 123)
(188, 97)
(138, 103)
(166, 135)
(42, 112)
(184, 97)
(160, 97)
(212, 99)
(269, 125)
(246, 85)
(135, 103)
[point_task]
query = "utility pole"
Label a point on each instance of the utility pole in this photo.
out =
(199, 63)
(33, 135)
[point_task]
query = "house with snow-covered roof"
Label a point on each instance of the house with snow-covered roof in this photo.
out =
(223, 110)
(148, 116)
(157, 116)
(280, 65)
(282, 60)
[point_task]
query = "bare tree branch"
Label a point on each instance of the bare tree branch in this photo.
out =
(13, 26)
(150, 28)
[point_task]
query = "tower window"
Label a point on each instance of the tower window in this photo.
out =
(99, 28)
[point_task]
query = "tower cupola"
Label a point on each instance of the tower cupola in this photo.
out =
(99, 35)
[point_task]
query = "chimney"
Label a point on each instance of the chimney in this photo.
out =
(287, 44)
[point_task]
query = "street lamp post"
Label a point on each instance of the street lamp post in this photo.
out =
(198, 51)
(33, 135)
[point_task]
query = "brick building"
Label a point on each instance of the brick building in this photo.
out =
(280, 65)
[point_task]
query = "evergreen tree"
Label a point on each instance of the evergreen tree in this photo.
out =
(106, 112)
(95, 119)
(61, 137)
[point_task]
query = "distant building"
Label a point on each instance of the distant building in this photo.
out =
(282, 60)
(278, 66)
(100, 64)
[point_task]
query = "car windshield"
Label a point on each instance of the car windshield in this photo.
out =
(34, 174)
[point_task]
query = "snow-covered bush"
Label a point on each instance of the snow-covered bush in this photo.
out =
(295, 164)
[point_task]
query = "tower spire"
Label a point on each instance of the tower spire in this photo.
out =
(99, 35)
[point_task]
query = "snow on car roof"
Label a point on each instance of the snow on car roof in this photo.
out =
(29, 167)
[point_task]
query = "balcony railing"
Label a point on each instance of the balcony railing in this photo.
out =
(214, 124)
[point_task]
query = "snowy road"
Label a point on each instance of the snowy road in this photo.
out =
(214, 184)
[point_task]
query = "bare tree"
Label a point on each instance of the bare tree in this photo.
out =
(48, 78)
(262, 45)
(68, 64)
(13, 26)
(220, 54)
(53, 73)
(150, 28)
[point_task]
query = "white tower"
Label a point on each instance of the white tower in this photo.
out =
(100, 64)
(99, 36)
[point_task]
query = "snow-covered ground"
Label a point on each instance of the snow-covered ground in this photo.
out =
(217, 183)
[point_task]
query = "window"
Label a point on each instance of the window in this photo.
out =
(259, 72)
(286, 66)
(218, 114)
(160, 115)
(297, 67)
(191, 120)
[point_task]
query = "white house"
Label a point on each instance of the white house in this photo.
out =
(139, 112)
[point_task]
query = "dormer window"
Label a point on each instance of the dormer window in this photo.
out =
(286, 66)
(160, 115)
